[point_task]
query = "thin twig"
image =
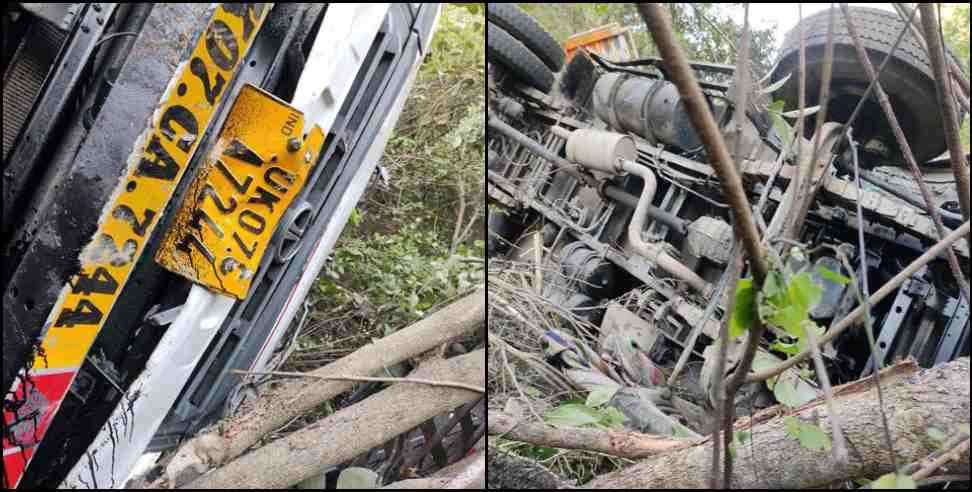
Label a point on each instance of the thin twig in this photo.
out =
(720, 366)
(727, 393)
(804, 195)
(839, 447)
(954, 454)
(862, 295)
(698, 109)
(950, 116)
(702, 120)
(906, 151)
(854, 316)
(428, 382)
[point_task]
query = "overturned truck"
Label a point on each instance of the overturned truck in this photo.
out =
(598, 160)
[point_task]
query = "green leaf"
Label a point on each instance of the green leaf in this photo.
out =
(833, 276)
(773, 287)
(790, 318)
(936, 434)
(804, 292)
(791, 391)
(764, 361)
(679, 432)
(601, 395)
(744, 312)
(572, 415)
(790, 349)
(612, 417)
(782, 127)
(893, 481)
(810, 436)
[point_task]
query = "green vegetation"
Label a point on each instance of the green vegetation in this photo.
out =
(956, 26)
(706, 30)
(417, 242)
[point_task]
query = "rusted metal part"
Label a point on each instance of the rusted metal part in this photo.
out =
(950, 115)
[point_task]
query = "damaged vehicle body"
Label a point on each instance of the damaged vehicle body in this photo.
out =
(175, 176)
(598, 161)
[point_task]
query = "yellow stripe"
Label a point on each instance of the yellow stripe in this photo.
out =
(125, 225)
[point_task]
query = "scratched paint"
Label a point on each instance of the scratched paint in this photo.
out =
(155, 168)
(235, 203)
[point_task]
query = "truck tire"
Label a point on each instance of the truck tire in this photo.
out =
(504, 49)
(528, 31)
(908, 79)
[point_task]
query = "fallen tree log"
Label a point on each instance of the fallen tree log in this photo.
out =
(616, 443)
(506, 471)
(352, 430)
(274, 408)
(915, 401)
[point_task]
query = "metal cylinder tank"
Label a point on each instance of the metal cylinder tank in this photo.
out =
(651, 109)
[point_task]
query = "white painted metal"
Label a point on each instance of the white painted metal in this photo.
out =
(345, 35)
(143, 407)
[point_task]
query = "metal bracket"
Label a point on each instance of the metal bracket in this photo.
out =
(896, 316)
(956, 331)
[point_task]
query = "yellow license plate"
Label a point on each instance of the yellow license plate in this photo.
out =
(256, 168)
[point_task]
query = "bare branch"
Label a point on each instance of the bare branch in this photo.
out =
(851, 319)
(945, 100)
(953, 454)
(905, 147)
(625, 444)
(807, 189)
(367, 379)
(682, 75)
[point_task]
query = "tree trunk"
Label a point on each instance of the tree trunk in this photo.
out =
(630, 445)
(353, 430)
(277, 407)
(915, 401)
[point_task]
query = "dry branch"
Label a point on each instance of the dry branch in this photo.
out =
(367, 379)
(353, 430)
(615, 443)
(917, 401)
(282, 404)
(906, 152)
(950, 116)
(704, 123)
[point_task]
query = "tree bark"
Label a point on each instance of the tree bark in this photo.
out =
(616, 443)
(293, 398)
(353, 430)
(915, 402)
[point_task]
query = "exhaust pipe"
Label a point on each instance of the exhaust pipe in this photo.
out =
(614, 154)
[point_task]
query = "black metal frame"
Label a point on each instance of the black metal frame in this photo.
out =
(212, 389)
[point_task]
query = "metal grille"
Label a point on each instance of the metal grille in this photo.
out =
(25, 77)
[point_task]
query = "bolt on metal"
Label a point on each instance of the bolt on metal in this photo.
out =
(293, 144)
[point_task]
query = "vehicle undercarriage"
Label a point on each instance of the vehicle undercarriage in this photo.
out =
(605, 169)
